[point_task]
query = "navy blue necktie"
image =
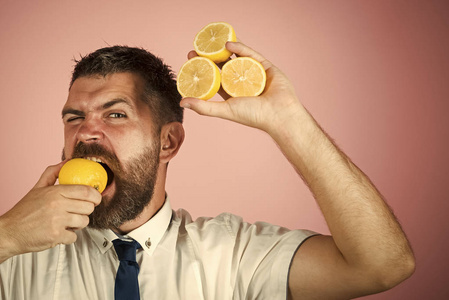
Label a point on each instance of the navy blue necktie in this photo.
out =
(126, 282)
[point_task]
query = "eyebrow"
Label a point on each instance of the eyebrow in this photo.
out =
(116, 101)
(72, 111)
(106, 105)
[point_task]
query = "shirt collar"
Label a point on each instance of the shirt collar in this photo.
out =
(148, 235)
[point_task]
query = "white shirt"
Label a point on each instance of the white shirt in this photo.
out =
(210, 258)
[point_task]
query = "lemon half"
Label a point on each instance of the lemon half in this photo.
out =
(211, 40)
(243, 77)
(199, 77)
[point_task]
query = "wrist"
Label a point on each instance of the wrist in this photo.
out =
(293, 122)
(6, 241)
(302, 141)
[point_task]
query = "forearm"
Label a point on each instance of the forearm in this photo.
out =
(362, 225)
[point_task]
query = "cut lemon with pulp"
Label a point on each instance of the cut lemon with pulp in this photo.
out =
(211, 41)
(199, 77)
(243, 77)
(84, 172)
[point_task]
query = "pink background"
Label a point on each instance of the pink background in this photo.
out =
(375, 74)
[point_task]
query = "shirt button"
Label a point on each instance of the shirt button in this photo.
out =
(148, 243)
(105, 243)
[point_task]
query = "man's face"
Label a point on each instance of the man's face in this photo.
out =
(106, 120)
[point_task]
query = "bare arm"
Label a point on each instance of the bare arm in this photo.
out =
(368, 251)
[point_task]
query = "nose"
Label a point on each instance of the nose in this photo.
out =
(90, 130)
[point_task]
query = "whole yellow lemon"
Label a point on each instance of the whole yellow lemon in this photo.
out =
(85, 172)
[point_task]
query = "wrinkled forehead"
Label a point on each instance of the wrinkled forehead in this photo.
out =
(88, 89)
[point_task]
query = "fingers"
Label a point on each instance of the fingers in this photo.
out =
(207, 108)
(76, 222)
(220, 109)
(69, 237)
(241, 49)
(80, 192)
(48, 214)
(49, 176)
(79, 207)
(191, 54)
(66, 235)
(59, 225)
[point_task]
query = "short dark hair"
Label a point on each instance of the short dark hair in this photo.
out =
(161, 94)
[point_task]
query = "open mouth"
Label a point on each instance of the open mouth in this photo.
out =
(109, 172)
(106, 167)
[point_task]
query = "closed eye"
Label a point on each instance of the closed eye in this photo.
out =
(72, 119)
(70, 115)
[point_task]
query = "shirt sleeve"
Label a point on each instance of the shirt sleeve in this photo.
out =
(262, 255)
(5, 270)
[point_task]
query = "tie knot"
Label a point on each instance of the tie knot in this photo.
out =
(126, 250)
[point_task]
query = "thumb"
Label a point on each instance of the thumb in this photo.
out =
(50, 175)
(208, 108)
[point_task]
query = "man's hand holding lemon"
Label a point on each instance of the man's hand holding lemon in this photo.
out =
(268, 111)
(46, 216)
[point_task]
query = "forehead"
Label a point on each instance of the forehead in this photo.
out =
(97, 89)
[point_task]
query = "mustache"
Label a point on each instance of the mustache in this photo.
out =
(83, 150)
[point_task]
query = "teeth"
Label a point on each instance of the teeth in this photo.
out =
(96, 159)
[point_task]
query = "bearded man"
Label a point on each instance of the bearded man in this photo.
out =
(123, 110)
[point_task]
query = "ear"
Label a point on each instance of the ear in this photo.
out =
(172, 136)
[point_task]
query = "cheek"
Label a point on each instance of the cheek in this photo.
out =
(69, 141)
(132, 146)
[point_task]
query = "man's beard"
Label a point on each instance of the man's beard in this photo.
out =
(134, 185)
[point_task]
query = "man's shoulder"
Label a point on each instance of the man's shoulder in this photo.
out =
(225, 219)
(232, 225)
